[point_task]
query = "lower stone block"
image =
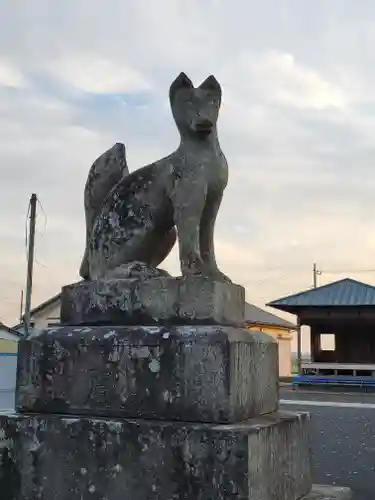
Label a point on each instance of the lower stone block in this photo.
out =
(55, 458)
(320, 492)
(191, 373)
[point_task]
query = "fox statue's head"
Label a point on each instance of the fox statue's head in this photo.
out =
(195, 110)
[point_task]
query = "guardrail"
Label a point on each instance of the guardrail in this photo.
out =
(333, 381)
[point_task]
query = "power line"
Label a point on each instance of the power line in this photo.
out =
(45, 216)
(339, 271)
(319, 272)
(41, 234)
(40, 264)
(44, 230)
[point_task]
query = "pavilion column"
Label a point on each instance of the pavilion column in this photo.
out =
(299, 346)
(315, 342)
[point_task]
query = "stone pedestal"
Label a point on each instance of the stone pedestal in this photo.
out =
(83, 458)
(160, 410)
(320, 492)
(164, 300)
(191, 373)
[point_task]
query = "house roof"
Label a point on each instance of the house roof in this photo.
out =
(20, 329)
(343, 293)
(45, 304)
(39, 308)
(10, 330)
(256, 315)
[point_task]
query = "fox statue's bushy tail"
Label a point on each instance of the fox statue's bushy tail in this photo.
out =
(104, 174)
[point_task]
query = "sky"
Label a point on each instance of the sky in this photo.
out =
(297, 126)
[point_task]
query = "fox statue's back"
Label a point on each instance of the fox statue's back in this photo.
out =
(103, 176)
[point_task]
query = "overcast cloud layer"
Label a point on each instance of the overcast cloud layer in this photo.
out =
(297, 126)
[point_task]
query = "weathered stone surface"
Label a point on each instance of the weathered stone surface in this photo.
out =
(320, 492)
(196, 373)
(56, 458)
(163, 300)
(104, 174)
(137, 220)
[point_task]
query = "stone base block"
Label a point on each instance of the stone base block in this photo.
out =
(56, 458)
(191, 373)
(153, 301)
(319, 492)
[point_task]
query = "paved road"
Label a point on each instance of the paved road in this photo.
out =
(343, 437)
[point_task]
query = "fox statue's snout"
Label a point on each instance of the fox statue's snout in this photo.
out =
(203, 126)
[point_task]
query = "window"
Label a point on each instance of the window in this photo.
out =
(327, 342)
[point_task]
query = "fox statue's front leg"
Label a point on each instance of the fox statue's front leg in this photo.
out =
(206, 233)
(195, 214)
(188, 206)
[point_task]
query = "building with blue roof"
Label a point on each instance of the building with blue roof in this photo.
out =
(341, 319)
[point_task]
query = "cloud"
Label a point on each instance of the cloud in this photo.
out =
(10, 76)
(98, 76)
(296, 126)
(296, 85)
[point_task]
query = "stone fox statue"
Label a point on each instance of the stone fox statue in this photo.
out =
(136, 215)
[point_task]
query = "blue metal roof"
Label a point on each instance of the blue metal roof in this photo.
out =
(343, 293)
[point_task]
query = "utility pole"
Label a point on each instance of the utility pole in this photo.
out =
(21, 306)
(30, 262)
(316, 273)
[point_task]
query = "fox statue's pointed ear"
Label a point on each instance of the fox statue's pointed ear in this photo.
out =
(211, 83)
(182, 81)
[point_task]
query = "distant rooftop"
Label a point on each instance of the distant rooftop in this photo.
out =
(21, 331)
(255, 315)
(343, 293)
(45, 304)
(10, 330)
